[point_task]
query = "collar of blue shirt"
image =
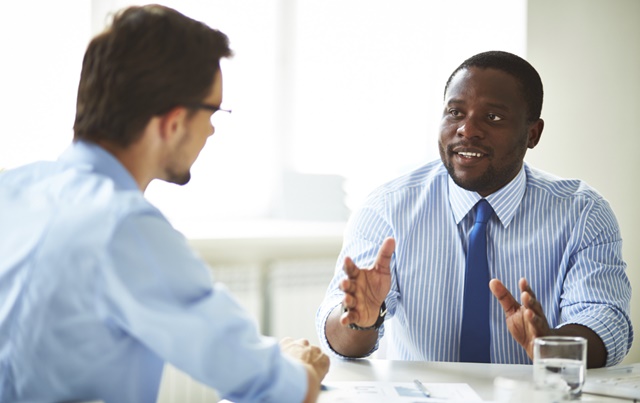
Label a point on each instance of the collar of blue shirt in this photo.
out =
(98, 160)
(504, 202)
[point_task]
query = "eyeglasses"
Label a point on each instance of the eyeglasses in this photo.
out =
(215, 118)
(209, 107)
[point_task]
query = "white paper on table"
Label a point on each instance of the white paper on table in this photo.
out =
(354, 391)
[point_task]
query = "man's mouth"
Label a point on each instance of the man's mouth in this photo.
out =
(468, 154)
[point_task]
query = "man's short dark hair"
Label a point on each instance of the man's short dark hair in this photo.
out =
(517, 67)
(150, 60)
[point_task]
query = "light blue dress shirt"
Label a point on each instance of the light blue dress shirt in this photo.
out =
(559, 234)
(97, 291)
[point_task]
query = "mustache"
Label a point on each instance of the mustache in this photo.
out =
(468, 146)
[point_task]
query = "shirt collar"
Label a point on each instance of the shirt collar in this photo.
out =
(504, 202)
(96, 159)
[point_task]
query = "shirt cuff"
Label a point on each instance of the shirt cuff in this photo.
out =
(607, 325)
(321, 322)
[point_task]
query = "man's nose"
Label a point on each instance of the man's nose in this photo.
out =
(470, 127)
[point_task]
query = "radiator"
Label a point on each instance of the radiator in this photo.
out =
(178, 387)
(294, 291)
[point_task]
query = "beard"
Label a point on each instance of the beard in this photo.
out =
(178, 178)
(176, 172)
(492, 179)
(488, 180)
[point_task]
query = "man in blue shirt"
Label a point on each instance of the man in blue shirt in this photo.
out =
(554, 242)
(97, 290)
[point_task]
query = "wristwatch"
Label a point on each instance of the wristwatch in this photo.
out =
(379, 321)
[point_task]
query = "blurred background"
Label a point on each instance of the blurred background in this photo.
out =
(331, 99)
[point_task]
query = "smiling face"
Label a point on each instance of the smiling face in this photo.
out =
(484, 132)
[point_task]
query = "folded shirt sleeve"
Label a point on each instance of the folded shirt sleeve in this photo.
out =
(597, 291)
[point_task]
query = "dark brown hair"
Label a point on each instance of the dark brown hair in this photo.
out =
(150, 60)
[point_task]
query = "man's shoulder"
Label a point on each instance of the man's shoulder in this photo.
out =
(54, 188)
(27, 174)
(558, 187)
(431, 174)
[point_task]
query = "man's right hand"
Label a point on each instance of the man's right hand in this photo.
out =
(364, 292)
(366, 289)
(314, 360)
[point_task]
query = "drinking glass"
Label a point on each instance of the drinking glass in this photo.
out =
(559, 366)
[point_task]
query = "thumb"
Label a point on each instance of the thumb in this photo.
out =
(508, 303)
(383, 260)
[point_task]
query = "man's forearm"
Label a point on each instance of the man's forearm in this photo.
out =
(348, 342)
(596, 351)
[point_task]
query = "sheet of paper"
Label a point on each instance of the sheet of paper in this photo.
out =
(407, 392)
(620, 381)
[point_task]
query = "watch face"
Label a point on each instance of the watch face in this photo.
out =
(375, 326)
(383, 310)
(381, 315)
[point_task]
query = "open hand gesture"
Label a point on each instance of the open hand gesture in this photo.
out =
(525, 321)
(366, 289)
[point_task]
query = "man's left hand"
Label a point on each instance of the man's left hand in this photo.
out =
(525, 321)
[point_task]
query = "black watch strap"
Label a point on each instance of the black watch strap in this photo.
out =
(379, 321)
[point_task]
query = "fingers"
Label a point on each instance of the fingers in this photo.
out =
(349, 313)
(348, 302)
(529, 299)
(318, 360)
(536, 324)
(507, 301)
(525, 321)
(350, 268)
(524, 287)
(383, 260)
(365, 289)
(347, 286)
(534, 313)
(321, 362)
(349, 316)
(356, 277)
(307, 353)
(287, 341)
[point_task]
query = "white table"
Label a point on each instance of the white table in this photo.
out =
(479, 376)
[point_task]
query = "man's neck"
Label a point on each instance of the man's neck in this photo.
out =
(136, 159)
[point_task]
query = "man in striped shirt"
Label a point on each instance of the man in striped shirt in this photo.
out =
(554, 242)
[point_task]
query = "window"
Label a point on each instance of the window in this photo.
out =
(330, 98)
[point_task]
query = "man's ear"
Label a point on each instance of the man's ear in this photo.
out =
(535, 132)
(173, 123)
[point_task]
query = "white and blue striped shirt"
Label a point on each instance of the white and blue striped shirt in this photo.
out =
(561, 235)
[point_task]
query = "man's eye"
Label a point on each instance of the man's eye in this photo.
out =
(494, 118)
(455, 113)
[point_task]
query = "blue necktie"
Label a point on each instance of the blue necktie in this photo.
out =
(475, 338)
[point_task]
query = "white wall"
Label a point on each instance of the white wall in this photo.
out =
(588, 55)
(587, 52)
